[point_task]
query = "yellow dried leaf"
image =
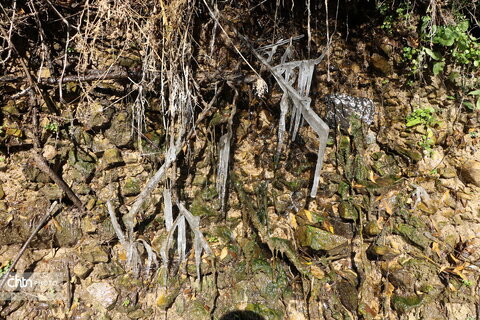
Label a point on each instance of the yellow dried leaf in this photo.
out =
(293, 221)
(224, 253)
(317, 272)
(389, 290)
(458, 271)
(452, 287)
(328, 226)
(436, 248)
(388, 209)
(308, 214)
(454, 259)
(122, 255)
(14, 132)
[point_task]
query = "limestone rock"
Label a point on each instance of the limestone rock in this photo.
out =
(95, 254)
(103, 293)
(120, 132)
(49, 152)
(319, 239)
(380, 63)
(81, 270)
(131, 187)
(101, 115)
(470, 172)
(52, 192)
(111, 158)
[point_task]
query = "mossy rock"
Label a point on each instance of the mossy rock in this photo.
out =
(265, 311)
(51, 191)
(131, 187)
(413, 234)
(347, 211)
(404, 303)
(120, 132)
(318, 239)
(112, 157)
(82, 162)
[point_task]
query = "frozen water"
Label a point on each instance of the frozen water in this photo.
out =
(341, 107)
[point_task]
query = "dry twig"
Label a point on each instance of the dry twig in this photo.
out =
(42, 222)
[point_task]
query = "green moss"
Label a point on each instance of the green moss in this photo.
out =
(262, 265)
(347, 211)
(413, 234)
(318, 239)
(266, 312)
(403, 304)
(131, 187)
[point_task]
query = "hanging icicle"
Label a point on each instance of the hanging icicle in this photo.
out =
(286, 73)
(223, 160)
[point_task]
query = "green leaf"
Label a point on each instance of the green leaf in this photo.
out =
(453, 76)
(474, 92)
(478, 104)
(438, 67)
(433, 54)
(469, 105)
(414, 122)
(463, 26)
(445, 38)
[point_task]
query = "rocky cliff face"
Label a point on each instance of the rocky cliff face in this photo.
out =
(178, 197)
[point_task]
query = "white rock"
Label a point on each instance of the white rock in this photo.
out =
(103, 293)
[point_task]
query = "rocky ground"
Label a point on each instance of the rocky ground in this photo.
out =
(392, 233)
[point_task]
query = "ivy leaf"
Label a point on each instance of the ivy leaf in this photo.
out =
(469, 105)
(445, 38)
(453, 76)
(433, 54)
(414, 122)
(438, 67)
(463, 26)
(474, 92)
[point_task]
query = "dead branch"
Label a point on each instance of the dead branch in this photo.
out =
(42, 164)
(42, 222)
(94, 75)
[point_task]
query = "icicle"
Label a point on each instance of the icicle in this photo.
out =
(199, 242)
(273, 47)
(151, 256)
(222, 173)
(305, 74)
(181, 238)
(296, 122)
(198, 248)
(168, 241)
(133, 258)
(115, 224)
(167, 209)
(194, 223)
(281, 125)
(301, 108)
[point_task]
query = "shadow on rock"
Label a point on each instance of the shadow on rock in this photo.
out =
(242, 315)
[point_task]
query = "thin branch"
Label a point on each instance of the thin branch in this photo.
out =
(42, 222)
(94, 75)
(9, 37)
(42, 164)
